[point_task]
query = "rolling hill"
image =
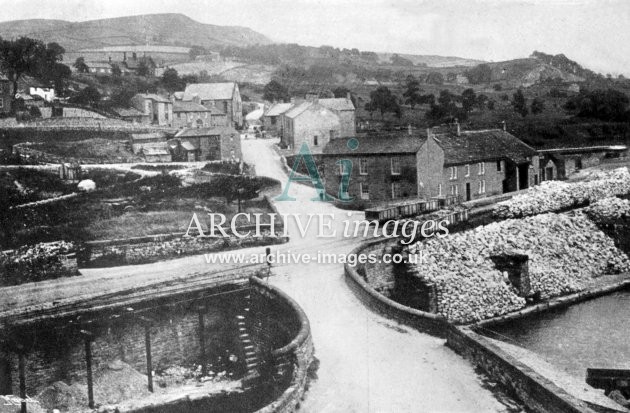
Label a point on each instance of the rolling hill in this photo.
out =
(162, 29)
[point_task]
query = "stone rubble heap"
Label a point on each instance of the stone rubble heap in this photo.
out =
(565, 251)
(553, 196)
(609, 210)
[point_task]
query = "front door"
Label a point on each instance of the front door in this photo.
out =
(467, 191)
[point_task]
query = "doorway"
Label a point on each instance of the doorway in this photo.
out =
(467, 191)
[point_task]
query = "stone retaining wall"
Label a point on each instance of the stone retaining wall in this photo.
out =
(425, 322)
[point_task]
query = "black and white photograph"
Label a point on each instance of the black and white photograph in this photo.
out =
(314, 206)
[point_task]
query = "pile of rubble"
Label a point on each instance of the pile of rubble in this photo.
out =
(609, 210)
(565, 252)
(553, 196)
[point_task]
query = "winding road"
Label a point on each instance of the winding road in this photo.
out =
(367, 363)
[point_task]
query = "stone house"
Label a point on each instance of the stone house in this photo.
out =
(310, 123)
(158, 108)
(194, 115)
(476, 164)
(560, 163)
(5, 94)
(271, 119)
(140, 140)
(132, 115)
(345, 110)
(468, 165)
(207, 144)
(225, 97)
(99, 68)
(157, 152)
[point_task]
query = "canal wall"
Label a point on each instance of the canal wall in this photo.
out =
(278, 328)
(538, 393)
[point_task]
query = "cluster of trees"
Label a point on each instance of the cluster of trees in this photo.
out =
(607, 105)
(26, 56)
(519, 103)
(479, 74)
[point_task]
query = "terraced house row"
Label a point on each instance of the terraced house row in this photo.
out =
(437, 163)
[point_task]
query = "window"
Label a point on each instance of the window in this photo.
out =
(482, 168)
(273, 120)
(467, 170)
(395, 166)
(332, 134)
(363, 167)
(315, 141)
(498, 166)
(453, 170)
(439, 189)
(395, 190)
(1, 103)
(482, 187)
(454, 190)
(365, 190)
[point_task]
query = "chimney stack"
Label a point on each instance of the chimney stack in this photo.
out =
(349, 96)
(457, 126)
(504, 126)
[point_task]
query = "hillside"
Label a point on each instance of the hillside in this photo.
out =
(163, 29)
(527, 72)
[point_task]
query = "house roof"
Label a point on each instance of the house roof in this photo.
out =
(376, 145)
(338, 104)
(210, 91)
(179, 106)
(188, 146)
(178, 95)
(217, 130)
(483, 145)
(147, 136)
(96, 65)
(153, 96)
(156, 148)
(297, 110)
(128, 112)
(278, 109)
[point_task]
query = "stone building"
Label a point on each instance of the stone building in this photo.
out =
(561, 163)
(310, 123)
(469, 165)
(271, 119)
(158, 108)
(345, 110)
(225, 97)
(207, 144)
(194, 115)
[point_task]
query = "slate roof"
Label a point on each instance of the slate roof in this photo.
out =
(188, 146)
(483, 145)
(157, 148)
(210, 91)
(278, 109)
(338, 104)
(298, 109)
(376, 145)
(155, 97)
(128, 112)
(147, 136)
(179, 106)
(217, 130)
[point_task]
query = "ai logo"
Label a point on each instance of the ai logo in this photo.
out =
(305, 155)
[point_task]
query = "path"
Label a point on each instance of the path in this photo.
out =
(367, 363)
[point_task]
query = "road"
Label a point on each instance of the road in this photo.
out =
(367, 363)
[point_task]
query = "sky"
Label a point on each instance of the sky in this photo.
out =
(595, 33)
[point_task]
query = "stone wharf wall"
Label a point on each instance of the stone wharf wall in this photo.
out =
(279, 329)
(288, 364)
(538, 393)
